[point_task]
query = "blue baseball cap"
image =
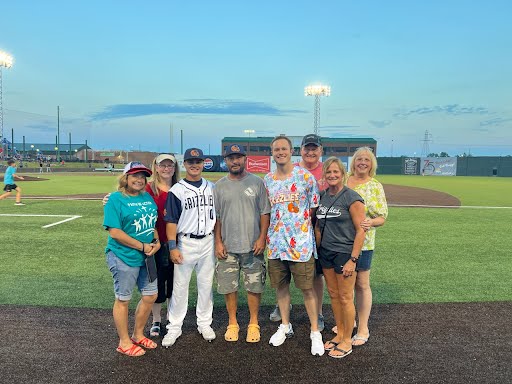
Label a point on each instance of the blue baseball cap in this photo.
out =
(193, 153)
(234, 149)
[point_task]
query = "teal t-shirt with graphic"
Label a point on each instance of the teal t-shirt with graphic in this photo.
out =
(134, 215)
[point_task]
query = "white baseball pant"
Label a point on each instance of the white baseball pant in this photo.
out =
(197, 254)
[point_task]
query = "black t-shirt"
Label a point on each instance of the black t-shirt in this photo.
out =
(334, 220)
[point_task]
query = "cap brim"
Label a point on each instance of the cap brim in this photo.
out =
(146, 171)
(161, 158)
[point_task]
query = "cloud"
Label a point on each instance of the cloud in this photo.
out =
(43, 127)
(380, 124)
(495, 121)
(337, 127)
(450, 109)
(193, 106)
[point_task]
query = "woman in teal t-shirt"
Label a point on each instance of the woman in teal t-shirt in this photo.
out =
(130, 217)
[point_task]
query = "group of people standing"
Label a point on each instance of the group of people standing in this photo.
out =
(311, 222)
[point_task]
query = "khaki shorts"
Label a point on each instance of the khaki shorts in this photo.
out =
(281, 272)
(228, 272)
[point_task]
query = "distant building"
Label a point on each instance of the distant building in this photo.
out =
(333, 146)
(68, 152)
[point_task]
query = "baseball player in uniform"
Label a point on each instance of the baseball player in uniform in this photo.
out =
(190, 217)
(243, 209)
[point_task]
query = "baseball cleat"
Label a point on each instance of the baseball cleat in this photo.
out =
(207, 332)
(170, 338)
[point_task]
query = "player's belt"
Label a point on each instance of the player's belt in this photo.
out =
(192, 236)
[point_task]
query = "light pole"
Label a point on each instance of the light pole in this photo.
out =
(249, 131)
(317, 91)
(32, 149)
(6, 61)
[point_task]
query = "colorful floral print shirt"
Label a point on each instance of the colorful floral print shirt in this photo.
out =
(290, 235)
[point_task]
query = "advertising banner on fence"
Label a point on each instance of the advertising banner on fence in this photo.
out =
(438, 166)
(258, 164)
(214, 163)
(411, 166)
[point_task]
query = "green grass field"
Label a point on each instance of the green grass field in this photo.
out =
(422, 255)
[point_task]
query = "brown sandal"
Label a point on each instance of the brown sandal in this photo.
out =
(253, 333)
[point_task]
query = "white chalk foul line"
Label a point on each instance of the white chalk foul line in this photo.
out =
(69, 217)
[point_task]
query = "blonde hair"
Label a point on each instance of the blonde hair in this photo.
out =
(122, 184)
(156, 179)
(373, 159)
(334, 160)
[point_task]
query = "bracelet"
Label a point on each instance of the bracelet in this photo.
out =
(142, 246)
(171, 244)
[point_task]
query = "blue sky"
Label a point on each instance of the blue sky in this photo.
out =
(123, 72)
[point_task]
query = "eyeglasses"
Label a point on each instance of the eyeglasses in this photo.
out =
(171, 166)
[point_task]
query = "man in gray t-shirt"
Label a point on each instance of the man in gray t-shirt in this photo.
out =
(243, 216)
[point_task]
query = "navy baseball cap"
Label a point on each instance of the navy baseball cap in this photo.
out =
(135, 167)
(311, 139)
(234, 149)
(193, 153)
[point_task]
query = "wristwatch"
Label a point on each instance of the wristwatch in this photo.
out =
(354, 259)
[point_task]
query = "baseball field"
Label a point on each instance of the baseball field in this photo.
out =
(440, 277)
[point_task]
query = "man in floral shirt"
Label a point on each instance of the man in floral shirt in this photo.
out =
(293, 195)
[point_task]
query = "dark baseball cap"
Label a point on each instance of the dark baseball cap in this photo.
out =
(193, 153)
(311, 139)
(135, 167)
(234, 149)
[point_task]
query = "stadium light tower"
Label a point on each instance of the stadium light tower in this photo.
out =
(6, 61)
(317, 91)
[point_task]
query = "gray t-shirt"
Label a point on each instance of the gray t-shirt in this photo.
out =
(239, 205)
(334, 220)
